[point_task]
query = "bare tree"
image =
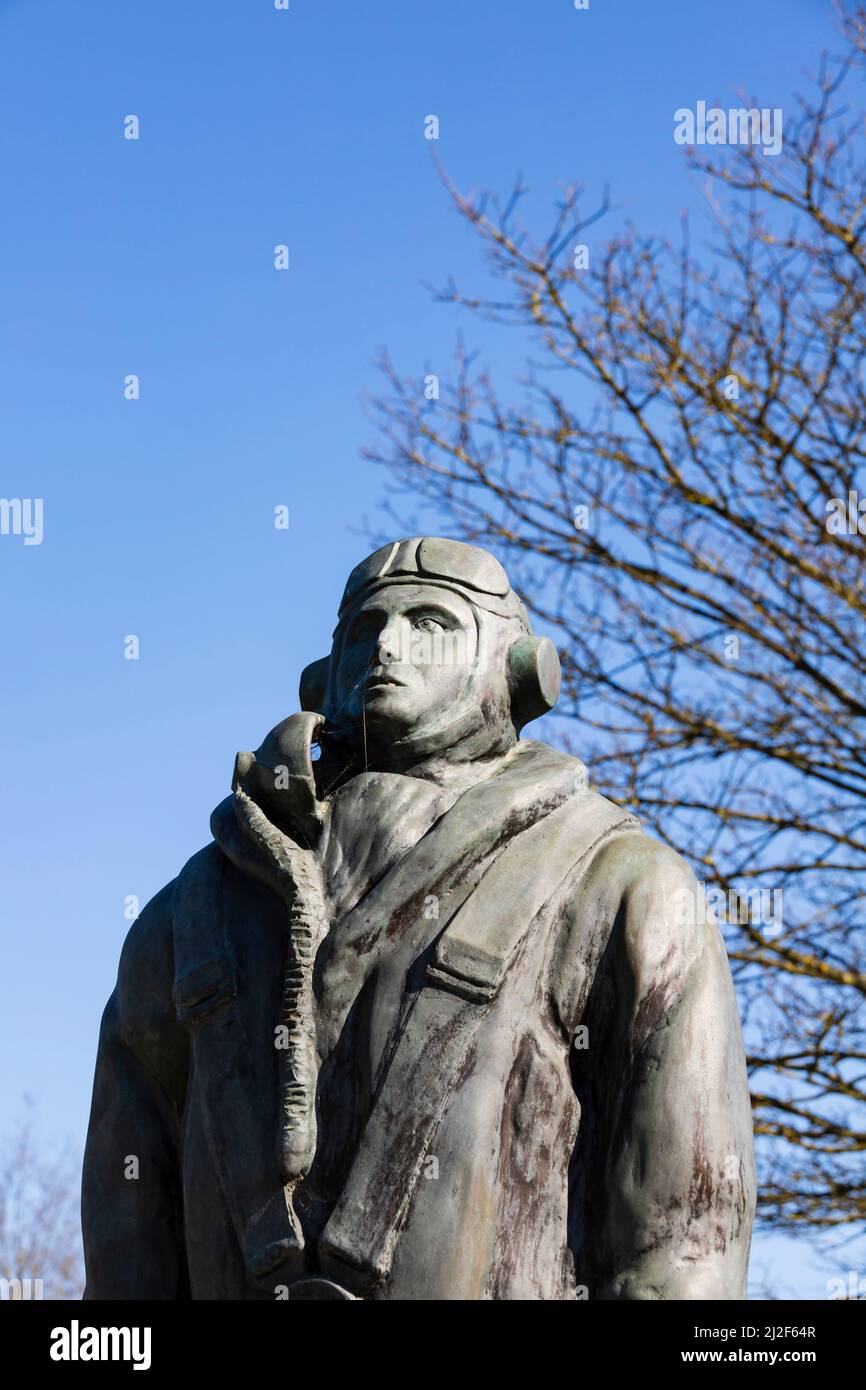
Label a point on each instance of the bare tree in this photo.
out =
(675, 484)
(40, 1233)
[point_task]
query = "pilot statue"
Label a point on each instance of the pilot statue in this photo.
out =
(428, 1018)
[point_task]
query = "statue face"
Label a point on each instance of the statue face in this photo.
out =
(406, 657)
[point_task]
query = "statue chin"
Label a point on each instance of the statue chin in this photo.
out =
(383, 710)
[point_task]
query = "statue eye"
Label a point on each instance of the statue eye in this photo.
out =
(364, 630)
(429, 624)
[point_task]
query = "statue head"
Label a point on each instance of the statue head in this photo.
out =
(433, 653)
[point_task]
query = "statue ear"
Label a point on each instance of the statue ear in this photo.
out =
(534, 678)
(313, 688)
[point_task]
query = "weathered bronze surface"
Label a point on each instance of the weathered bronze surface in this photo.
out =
(428, 1018)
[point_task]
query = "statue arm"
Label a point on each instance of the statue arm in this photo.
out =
(131, 1196)
(669, 1183)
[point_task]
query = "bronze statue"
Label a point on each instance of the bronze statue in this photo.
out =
(429, 1018)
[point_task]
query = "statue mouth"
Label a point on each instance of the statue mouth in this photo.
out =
(380, 681)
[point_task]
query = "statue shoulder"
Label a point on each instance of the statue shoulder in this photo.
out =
(145, 972)
(147, 962)
(141, 1013)
(633, 926)
(658, 910)
(642, 869)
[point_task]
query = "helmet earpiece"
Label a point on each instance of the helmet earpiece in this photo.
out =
(534, 678)
(313, 688)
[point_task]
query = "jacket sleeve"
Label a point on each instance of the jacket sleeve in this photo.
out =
(131, 1209)
(664, 1182)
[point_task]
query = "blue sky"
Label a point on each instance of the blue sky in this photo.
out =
(155, 257)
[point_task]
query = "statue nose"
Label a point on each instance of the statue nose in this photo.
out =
(388, 645)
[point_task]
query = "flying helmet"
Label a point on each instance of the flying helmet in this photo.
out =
(533, 669)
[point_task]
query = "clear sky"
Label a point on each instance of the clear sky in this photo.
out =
(155, 257)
